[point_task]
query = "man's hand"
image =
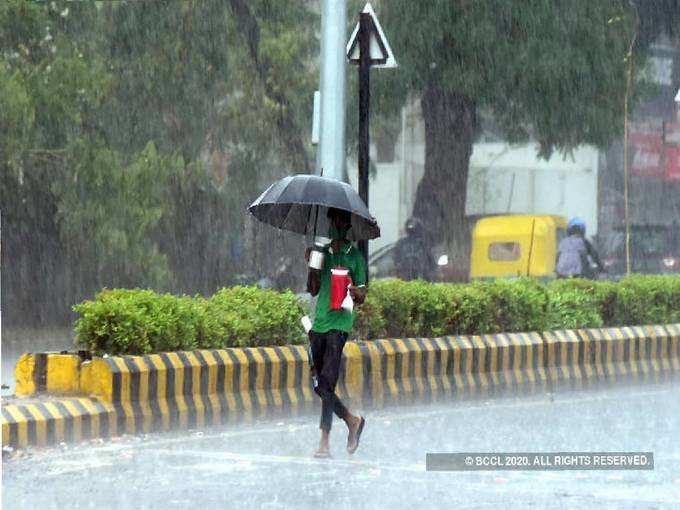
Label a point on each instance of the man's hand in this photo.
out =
(313, 282)
(358, 294)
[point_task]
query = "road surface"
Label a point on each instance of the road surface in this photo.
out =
(269, 464)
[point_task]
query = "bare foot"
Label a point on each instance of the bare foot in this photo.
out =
(322, 453)
(356, 427)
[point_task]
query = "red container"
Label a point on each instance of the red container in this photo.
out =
(340, 279)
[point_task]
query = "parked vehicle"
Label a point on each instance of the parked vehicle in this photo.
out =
(516, 245)
(654, 249)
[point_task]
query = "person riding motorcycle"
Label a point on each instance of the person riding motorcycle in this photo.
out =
(412, 257)
(576, 256)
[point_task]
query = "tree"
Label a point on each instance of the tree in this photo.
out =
(132, 136)
(221, 81)
(549, 71)
(48, 83)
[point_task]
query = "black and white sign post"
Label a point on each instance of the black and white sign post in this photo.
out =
(367, 47)
(365, 25)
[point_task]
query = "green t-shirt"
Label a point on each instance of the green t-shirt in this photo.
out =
(327, 319)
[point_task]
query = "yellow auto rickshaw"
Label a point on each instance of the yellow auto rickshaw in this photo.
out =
(516, 245)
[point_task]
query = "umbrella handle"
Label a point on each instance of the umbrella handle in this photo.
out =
(316, 218)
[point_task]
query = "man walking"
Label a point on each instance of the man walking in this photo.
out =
(331, 328)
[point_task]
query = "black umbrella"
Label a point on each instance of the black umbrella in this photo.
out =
(299, 203)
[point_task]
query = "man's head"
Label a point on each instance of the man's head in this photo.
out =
(340, 222)
(414, 227)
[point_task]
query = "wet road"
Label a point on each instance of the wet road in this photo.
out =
(268, 465)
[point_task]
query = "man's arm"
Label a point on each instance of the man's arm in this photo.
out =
(593, 254)
(313, 277)
(358, 288)
(313, 282)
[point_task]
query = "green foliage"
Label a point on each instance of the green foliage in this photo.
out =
(249, 316)
(395, 308)
(640, 299)
(139, 322)
(637, 299)
(572, 308)
(122, 321)
(398, 308)
(601, 295)
(119, 244)
(135, 321)
(131, 139)
(549, 73)
(518, 305)
(555, 69)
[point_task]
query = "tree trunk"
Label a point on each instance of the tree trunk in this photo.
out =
(450, 127)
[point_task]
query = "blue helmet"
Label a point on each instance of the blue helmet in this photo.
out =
(576, 225)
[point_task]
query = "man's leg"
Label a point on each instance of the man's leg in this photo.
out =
(328, 377)
(327, 351)
(318, 344)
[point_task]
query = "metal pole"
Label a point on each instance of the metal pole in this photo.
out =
(629, 84)
(626, 211)
(331, 155)
(364, 35)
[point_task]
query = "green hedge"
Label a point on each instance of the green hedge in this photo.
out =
(134, 321)
(142, 321)
(395, 308)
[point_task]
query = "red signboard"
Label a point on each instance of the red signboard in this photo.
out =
(647, 154)
(672, 166)
(655, 150)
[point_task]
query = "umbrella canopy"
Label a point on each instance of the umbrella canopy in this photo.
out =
(300, 203)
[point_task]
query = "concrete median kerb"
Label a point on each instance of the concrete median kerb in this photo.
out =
(102, 397)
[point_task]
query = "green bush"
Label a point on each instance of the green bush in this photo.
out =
(571, 309)
(249, 316)
(513, 305)
(140, 321)
(370, 321)
(643, 299)
(401, 309)
(135, 321)
(578, 302)
(395, 308)
(637, 299)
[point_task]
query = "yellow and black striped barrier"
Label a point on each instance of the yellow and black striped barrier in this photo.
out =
(48, 372)
(206, 387)
(424, 369)
(179, 390)
(39, 423)
(429, 369)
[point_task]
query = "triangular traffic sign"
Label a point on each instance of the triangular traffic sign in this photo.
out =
(381, 53)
